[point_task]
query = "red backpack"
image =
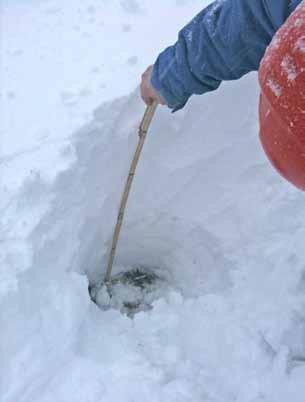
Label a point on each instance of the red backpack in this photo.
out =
(282, 103)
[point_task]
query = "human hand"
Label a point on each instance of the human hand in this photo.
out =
(148, 92)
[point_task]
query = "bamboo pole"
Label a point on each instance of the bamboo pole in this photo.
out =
(143, 129)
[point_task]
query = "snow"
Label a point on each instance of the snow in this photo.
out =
(207, 210)
(275, 86)
(289, 68)
(300, 44)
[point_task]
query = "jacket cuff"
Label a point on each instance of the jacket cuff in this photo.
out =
(171, 100)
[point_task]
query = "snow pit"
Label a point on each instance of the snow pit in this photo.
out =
(227, 322)
(226, 232)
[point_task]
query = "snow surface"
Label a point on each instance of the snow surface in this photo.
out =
(207, 209)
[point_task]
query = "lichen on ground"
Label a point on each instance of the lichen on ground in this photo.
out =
(130, 291)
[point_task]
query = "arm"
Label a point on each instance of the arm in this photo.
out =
(223, 42)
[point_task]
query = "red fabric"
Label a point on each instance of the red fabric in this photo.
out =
(282, 105)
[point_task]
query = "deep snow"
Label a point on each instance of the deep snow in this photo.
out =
(207, 210)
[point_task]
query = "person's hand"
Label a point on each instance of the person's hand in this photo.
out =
(148, 92)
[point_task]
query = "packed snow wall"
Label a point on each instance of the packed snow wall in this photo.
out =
(207, 210)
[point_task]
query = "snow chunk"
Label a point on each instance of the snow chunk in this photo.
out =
(275, 88)
(289, 67)
(300, 44)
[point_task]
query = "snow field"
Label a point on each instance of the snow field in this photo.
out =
(206, 210)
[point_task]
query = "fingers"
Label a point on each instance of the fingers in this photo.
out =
(148, 92)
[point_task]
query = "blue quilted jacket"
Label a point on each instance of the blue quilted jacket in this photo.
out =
(223, 42)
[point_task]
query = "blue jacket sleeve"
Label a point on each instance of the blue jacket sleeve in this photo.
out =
(223, 42)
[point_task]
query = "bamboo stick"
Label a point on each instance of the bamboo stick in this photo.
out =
(143, 129)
